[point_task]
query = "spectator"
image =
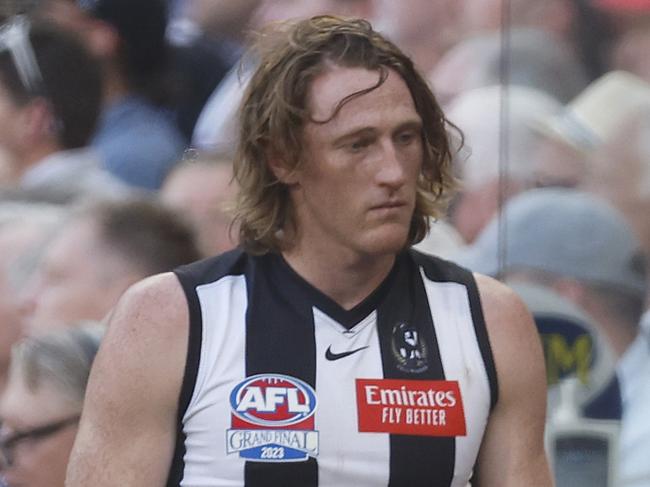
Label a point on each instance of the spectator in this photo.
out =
(210, 44)
(50, 95)
(98, 253)
(535, 59)
(42, 405)
(620, 172)
(626, 184)
(499, 163)
(580, 246)
(23, 227)
(574, 135)
(563, 326)
(201, 190)
(581, 28)
(136, 138)
(584, 249)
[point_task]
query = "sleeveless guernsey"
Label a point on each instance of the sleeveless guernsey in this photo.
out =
(285, 388)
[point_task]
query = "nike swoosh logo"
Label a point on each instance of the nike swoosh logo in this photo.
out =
(329, 355)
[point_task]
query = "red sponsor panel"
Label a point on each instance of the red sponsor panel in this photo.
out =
(410, 407)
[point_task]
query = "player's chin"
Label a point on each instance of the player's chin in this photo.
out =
(387, 239)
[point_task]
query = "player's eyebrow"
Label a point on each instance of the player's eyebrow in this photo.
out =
(415, 125)
(412, 124)
(348, 136)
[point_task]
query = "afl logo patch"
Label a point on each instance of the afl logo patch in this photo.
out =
(409, 351)
(273, 419)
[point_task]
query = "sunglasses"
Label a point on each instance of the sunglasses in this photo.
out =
(8, 443)
(14, 38)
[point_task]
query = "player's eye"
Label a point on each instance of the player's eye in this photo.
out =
(406, 137)
(359, 144)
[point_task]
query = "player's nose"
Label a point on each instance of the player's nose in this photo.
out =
(391, 169)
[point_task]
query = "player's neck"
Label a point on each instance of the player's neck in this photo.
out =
(346, 279)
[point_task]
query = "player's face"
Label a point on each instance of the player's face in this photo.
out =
(357, 186)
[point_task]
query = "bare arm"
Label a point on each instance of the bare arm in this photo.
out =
(127, 431)
(512, 453)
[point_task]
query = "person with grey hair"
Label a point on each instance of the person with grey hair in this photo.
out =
(489, 172)
(42, 404)
(24, 227)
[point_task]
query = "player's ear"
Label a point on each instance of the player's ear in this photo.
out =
(285, 174)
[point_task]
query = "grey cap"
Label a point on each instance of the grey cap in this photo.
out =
(563, 232)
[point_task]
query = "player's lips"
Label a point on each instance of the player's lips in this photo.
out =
(389, 205)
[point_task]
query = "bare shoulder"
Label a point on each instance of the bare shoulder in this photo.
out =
(127, 431)
(157, 301)
(512, 452)
(508, 321)
(514, 340)
(500, 303)
(149, 325)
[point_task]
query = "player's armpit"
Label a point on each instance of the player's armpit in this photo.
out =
(127, 431)
(512, 452)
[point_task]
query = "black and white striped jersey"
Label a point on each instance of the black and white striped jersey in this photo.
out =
(285, 388)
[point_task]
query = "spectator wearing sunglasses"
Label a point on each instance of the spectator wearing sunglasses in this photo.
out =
(41, 405)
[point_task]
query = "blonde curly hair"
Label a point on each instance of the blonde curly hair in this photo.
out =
(274, 112)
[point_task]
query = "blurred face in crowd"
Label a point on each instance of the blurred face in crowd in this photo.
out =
(558, 164)
(79, 278)
(14, 239)
(626, 183)
(32, 456)
(200, 192)
(355, 191)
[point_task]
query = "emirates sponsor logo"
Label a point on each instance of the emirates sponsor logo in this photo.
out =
(410, 407)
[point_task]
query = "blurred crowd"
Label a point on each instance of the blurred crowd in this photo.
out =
(118, 126)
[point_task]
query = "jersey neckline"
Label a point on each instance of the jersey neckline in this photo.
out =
(298, 288)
